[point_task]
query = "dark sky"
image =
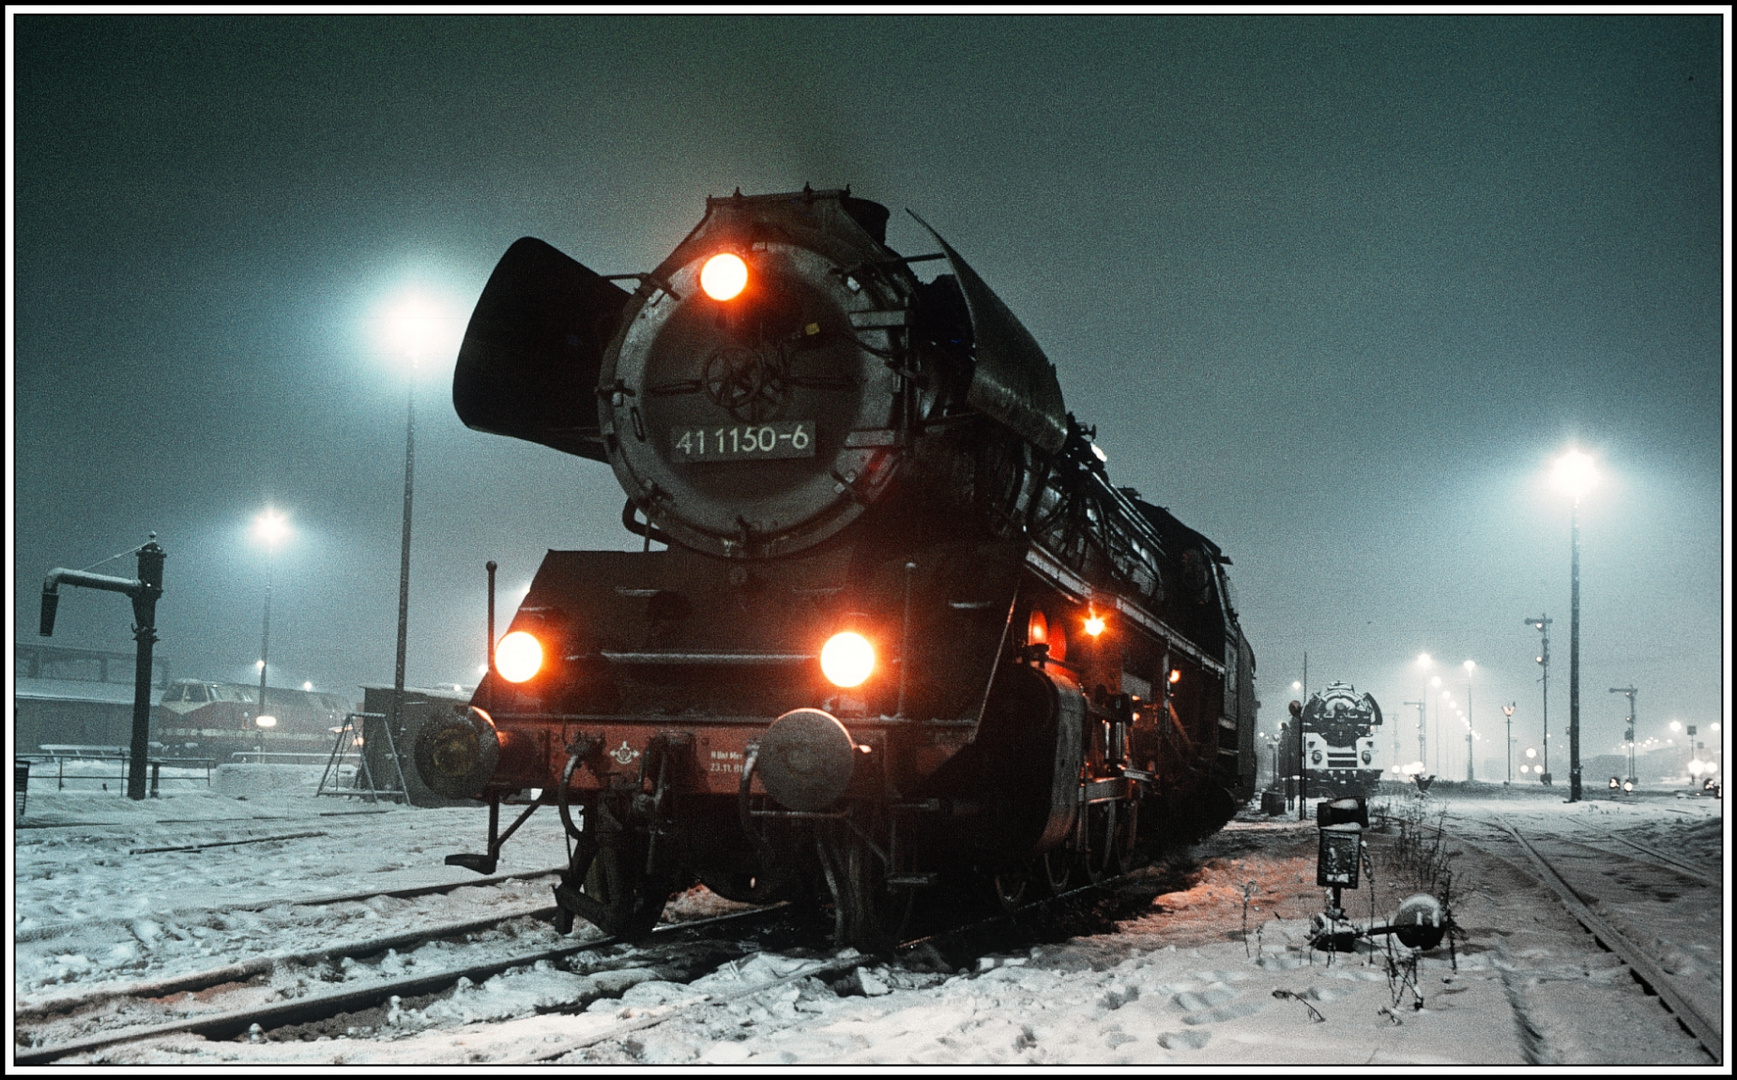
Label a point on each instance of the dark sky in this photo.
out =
(1335, 290)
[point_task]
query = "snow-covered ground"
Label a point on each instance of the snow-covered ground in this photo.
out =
(1175, 980)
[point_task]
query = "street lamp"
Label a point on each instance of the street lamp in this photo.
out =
(270, 528)
(414, 330)
(1508, 711)
(1574, 475)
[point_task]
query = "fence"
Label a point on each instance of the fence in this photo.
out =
(110, 765)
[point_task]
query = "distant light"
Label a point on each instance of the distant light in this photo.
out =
(266, 721)
(307, 686)
(724, 276)
(1574, 474)
(1531, 752)
(1469, 666)
(259, 665)
(1423, 660)
(1295, 685)
(270, 526)
(1435, 680)
(1676, 726)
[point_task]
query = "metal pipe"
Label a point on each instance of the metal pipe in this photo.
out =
(144, 591)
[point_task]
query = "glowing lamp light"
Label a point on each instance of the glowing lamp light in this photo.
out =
(1531, 751)
(518, 656)
(1574, 474)
(1175, 675)
(1094, 624)
(270, 527)
(847, 659)
(724, 276)
(307, 686)
(267, 721)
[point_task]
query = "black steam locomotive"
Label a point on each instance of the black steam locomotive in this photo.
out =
(902, 629)
(1338, 744)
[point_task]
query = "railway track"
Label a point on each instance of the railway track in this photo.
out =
(1620, 903)
(230, 1023)
(262, 1020)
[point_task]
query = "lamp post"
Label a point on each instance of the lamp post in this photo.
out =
(270, 527)
(413, 328)
(1574, 475)
(1508, 711)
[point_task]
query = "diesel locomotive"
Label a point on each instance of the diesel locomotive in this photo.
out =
(891, 627)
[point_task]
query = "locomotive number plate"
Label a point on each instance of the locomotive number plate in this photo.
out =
(742, 442)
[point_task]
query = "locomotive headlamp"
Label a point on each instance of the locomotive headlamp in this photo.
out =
(724, 276)
(847, 659)
(518, 656)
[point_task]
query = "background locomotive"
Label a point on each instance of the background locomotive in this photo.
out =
(199, 718)
(903, 629)
(1339, 756)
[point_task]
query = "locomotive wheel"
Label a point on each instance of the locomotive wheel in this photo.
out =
(1057, 867)
(1106, 852)
(1014, 886)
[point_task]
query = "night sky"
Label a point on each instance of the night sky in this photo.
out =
(1335, 290)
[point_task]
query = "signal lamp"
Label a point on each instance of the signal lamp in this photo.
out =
(518, 656)
(1628, 785)
(724, 276)
(847, 659)
(1615, 783)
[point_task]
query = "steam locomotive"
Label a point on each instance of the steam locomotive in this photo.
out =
(901, 630)
(1338, 746)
